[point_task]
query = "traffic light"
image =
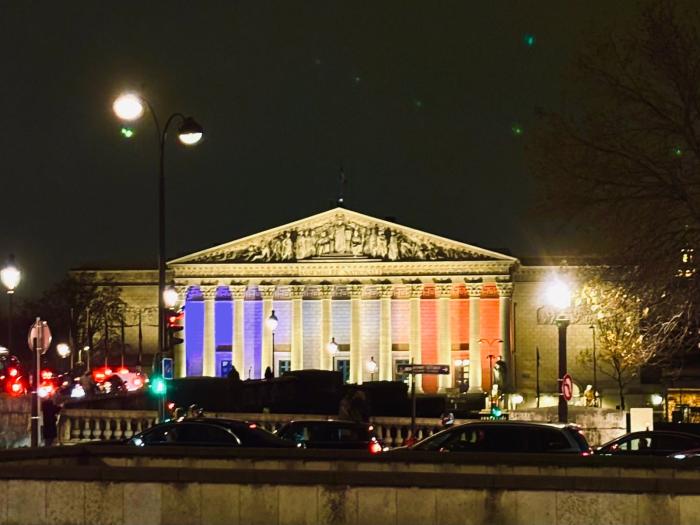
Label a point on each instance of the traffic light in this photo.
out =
(158, 386)
(496, 411)
(174, 324)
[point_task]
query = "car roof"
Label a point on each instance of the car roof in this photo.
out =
(532, 424)
(332, 421)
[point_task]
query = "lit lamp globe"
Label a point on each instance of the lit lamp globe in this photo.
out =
(128, 106)
(63, 350)
(10, 277)
(372, 366)
(558, 295)
(170, 297)
(190, 132)
(272, 321)
(332, 347)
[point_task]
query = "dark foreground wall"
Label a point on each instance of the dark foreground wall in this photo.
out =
(67, 488)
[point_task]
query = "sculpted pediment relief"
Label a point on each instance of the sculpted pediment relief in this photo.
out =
(343, 234)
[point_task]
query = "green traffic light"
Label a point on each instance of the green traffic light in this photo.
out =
(517, 130)
(127, 132)
(496, 411)
(158, 386)
(677, 151)
(529, 40)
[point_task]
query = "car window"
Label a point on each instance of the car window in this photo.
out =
(465, 440)
(550, 440)
(670, 442)
(506, 438)
(201, 433)
(634, 444)
(158, 435)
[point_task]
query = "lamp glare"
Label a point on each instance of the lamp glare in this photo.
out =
(128, 107)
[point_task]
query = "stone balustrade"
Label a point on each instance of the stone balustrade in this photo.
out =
(80, 425)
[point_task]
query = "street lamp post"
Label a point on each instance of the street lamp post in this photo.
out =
(333, 350)
(63, 351)
(129, 107)
(272, 323)
(595, 369)
(10, 277)
(559, 296)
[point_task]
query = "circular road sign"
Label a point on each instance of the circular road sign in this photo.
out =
(39, 331)
(567, 387)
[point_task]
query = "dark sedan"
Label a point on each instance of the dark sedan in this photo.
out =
(208, 432)
(650, 443)
(331, 434)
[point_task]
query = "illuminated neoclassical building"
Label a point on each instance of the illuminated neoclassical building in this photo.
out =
(385, 293)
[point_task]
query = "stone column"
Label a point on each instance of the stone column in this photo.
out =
(326, 293)
(356, 367)
(209, 355)
(297, 335)
(414, 342)
(505, 292)
(444, 333)
(238, 339)
(180, 351)
(385, 361)
(266, 291)
(474, 336)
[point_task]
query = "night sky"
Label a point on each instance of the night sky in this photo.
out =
(416, 100)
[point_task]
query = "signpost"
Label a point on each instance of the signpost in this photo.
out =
(410, 368)
(167, 367)
(39, 339)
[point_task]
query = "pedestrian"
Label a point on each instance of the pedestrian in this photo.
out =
(233, 374)
(268, 373)
(49, 429)
(87, 383)
(447, 419)
(116, 384)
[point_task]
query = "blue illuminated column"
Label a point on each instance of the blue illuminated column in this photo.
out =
(209, 356)
(238, 340)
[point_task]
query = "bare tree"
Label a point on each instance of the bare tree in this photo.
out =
(622, 165)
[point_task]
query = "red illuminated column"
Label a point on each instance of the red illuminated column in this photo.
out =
(355, 291)
(326, 293)
(414, 342)
(505, 292)
(474, 290)
(444, 333)
(297, 347)
(267, 292)
(208, 357)
(385, 293)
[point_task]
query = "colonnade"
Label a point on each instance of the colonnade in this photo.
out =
(357, 295)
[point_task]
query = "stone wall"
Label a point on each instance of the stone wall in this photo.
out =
(599, 424)
(14, 421)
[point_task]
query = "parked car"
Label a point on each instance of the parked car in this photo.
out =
(209, 432)
(650, 443)
(331, 434)
(507, 436)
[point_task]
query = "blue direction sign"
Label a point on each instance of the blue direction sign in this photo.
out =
(167, 368)
(408, 368)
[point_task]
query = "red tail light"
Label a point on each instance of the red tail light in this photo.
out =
(374, 447)
(12, 372)
(16, 388)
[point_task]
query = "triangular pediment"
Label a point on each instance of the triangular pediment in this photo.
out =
(341, 234)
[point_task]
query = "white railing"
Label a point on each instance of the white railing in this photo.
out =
(80, 425)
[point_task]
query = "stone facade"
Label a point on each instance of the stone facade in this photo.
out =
(383, 292)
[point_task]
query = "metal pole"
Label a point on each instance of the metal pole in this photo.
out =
(140, 356)
(537, 374)
(490, 357)
(272, 362)
(10, 293)
(71, 340)
(161, 239)
(123, 352)
(106, 341)
(562, 324)
(35, 395)
(88, 335)
(595, 370)
(413, 402)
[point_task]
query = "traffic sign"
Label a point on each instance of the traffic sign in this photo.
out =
(167, 368)
(567, 387)
(39, 331)
(407, 368)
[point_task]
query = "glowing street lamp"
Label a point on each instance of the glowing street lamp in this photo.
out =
(63, 350)
(170, 297)
(558, 296)
(10, 277)
(130, 107)
(332, 349)
(372, 367)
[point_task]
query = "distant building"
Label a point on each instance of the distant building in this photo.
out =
(383, 292)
